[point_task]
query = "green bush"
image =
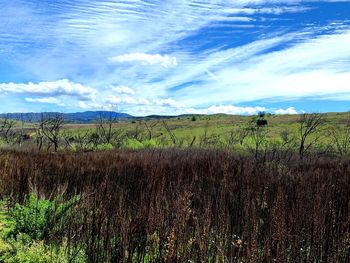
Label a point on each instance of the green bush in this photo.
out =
(149, 144)
(104, 147)
(39, 217)
(25, 232)
(132, 144)
(24, 251)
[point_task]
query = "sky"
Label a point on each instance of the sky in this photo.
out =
(174, 57)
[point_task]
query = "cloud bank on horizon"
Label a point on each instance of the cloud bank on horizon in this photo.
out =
(175, 56)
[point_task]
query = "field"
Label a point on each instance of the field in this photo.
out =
(147, 191)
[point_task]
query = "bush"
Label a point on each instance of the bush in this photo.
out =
(25, 232)
(38, 218)
(104, 147)
(132, 144)
(24, 251)
(149, 144)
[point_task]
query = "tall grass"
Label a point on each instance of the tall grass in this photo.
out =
(190, 205)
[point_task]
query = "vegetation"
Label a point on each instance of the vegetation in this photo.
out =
(302, 134)
(217, 189)
(177, 206)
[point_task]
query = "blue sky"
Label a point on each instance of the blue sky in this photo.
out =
(173, 57)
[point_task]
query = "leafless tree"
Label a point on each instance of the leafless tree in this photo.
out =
(204, 138)
(169, 131)
(7, 128)
(22, 136)
(51, 127)
(82, 139)
(238, 135)
(105, 130)
(341, 138)
(259, 136)
(150, 128)
(309, 131)
(39, 132)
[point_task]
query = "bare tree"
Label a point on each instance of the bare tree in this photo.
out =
(259, 135)
(39, 132)
(309, 125)
(204, 138)
(169, 131)
(238, 135)
(82, 139)
(7, 128)
(105, 130)
(50, 128)
(341, 138)
(150, 128)
(22, 136)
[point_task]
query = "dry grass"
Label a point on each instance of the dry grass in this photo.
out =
(192, 205)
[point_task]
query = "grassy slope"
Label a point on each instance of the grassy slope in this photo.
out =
(184, 128)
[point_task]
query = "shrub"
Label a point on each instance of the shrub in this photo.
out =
(38, 218)
(23, 251)
(149, 144)
(132, 144)
(104, 147)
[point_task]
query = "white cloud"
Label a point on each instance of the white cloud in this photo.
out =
(123, 90)
(49, 100)
(53, 88)
(303, 64)
(83, 105)
(228, 109)
(168, 103)
(126, 100)
(313, 67)
(146, 59)
(288, 111)
(143, 102)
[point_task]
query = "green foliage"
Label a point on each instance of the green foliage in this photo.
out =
(149, 144)
(132, 144)
(24, 232)
(39, 217)
(24, 250)
(104, 147)
(194, 118)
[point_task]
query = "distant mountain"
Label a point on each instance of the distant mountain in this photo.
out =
(77, 117)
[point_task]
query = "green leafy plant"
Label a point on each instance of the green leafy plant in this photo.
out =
(149, 144)
(38, 218)
(104, 147)
(132, 144)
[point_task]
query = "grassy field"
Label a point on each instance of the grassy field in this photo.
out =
(184, 189)
(239, 133)
(185, 127)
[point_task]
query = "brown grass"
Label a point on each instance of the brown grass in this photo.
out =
(192, 205)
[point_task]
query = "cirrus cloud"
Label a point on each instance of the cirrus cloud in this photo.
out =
(146, 59)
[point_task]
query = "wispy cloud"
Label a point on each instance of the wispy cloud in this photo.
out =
(49, 100)
(146, 59)
(174, 55)
(228, 109)
(51, 88)
(123, 90)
